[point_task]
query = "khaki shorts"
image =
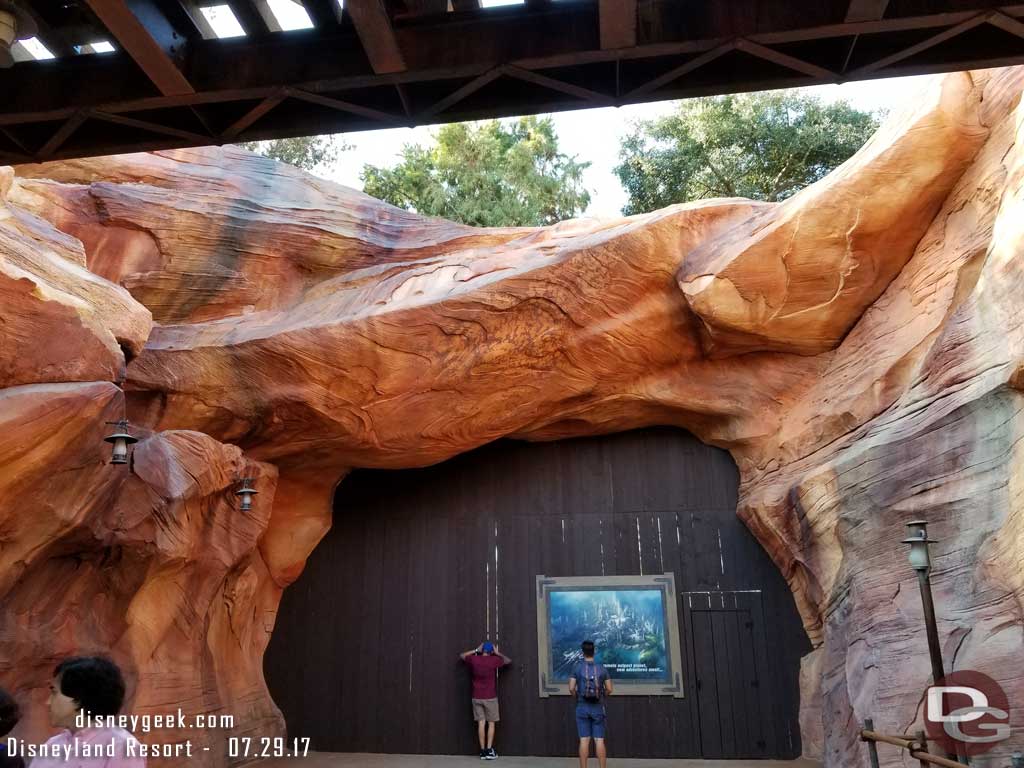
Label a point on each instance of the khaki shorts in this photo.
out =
(485, 709)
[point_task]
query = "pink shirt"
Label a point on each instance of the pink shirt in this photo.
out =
(94, 737)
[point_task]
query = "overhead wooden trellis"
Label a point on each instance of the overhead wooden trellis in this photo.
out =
(171, 82)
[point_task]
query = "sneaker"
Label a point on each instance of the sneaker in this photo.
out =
(485, 754)
(491, 754)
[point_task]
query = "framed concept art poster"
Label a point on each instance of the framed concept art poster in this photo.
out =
(632, 621)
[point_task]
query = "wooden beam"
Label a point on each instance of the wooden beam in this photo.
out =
(403, 96)
(425, 7)
(323, 13)
(145, 125)
(252, 116)
(861, 10)
(332, 62)
(63, 134)
(682, 69)
(1006, 23)
(191, 9)
(181, 16)
(866, 10)
(306, 125)
(785, 60)
(465, 5)
(347, 106)
(373, 26)
(924, 45)
(536, 78)
(471, 87)
(903, 24)
(16, 141)
(618, 23)
(250, 17)
(134, 38)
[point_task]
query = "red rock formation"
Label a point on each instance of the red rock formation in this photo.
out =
(859, 349)
(153, 565)
(798, 276)
(48, 295)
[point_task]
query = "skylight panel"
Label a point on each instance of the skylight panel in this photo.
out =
(290, 15)
(222, 20)
(39, 51)
(499, 3)
(99, 46)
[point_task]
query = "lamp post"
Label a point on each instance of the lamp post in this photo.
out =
(120, 440)
(921, 561)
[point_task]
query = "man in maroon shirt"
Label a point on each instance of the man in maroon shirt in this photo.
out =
(484, 662)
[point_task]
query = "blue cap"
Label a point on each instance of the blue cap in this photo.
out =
(488, 647)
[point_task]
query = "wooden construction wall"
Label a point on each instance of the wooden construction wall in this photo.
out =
(423, 564)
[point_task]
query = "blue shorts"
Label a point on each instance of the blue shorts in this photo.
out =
(590, 720)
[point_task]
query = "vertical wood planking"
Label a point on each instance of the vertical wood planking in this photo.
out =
(739, 687)
(753, 667)
(369, 621)
(727, 715)
(706, 681)
(405, 569)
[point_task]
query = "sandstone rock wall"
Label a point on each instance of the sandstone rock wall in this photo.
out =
(859, 349)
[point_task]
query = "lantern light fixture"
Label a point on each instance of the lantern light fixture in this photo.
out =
(15, 24)
(120, 439)
(245, 494)
(917, 538)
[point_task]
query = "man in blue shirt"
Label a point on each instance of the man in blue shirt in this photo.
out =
(591, 685)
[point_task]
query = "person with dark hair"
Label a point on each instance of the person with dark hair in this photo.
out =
(85, 687)
(590, 684)
(9, 716)
(484, 662)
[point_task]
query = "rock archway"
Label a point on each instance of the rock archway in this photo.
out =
(858, 349)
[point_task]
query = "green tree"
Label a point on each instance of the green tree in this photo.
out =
(490, 174)
(307, 152)
(765, 146)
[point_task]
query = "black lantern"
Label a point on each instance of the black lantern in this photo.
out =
(15, 24)
(245, 494)
(120, 440)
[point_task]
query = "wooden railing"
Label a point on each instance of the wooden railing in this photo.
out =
(917, 746)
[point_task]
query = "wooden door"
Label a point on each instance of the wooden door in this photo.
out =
(730, 660)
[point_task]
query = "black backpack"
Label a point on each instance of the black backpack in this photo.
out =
(591, 683)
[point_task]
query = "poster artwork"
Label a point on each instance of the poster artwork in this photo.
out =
(627, 625)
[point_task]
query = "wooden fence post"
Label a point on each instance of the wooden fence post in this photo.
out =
(922, 739)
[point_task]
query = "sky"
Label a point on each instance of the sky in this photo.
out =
(594, 136)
